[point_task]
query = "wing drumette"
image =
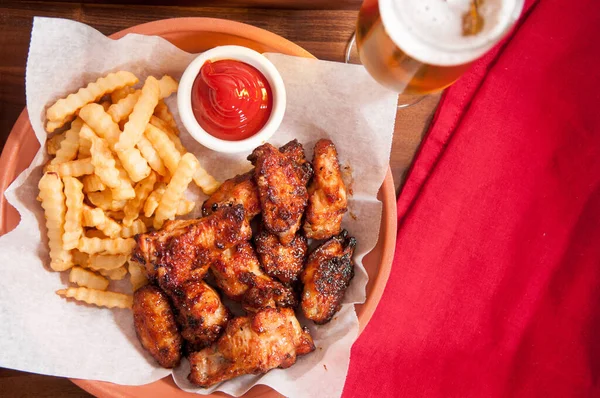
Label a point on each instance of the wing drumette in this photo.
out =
(327, 201)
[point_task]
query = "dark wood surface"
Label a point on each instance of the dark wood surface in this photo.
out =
(322, 27)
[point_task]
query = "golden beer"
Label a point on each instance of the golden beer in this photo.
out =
(420, 46)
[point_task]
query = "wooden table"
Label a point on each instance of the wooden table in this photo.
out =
(322, 27)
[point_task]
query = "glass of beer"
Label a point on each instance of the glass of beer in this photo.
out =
(417, 47)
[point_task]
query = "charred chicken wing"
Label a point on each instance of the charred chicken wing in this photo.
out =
(327, 194)
(326, 277)
(282, 190)
(201, 314)
(238, 274)
(281, 262)
(240, 190)
(183, 250)
(155, 325)
(254, 344)
(295, 151)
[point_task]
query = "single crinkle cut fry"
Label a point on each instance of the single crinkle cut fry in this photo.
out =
(85, 278)
(167, 208)
(164, 146)
(185, 207)
(162, 125)
(140, 116)
(53, 143)
(205, 181)
(91, 93)
(92, 183)
(137, 276)
(73, 168)
(167, 86)
(106, 246)
(134, 163)
(122, 109)
(151, 156)
(153, 199)
(107, 261)
(53, 203)
(137, 227)
(100, 298)
(74, 215)
(163, 113)
(70, 145)
(52, 126)
(134, 206)
(114, 274)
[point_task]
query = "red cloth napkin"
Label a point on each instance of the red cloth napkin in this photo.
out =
(495, 286)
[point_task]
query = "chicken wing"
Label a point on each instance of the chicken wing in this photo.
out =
(282, 190)
(252, 344)
(239, 190)
(183, 250)
(201, 314)
(327, 201)
(326, 277)
(281, 262)
(238, 274)
(155, 325)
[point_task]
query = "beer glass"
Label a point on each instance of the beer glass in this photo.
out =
(418, 47)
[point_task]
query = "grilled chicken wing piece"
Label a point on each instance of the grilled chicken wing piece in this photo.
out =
(295, 151)
(183, 250)
(326, 277)
(201, 314)
(239, 190)
(155, 325)
(238, 274)
(282, 190)
(281, 262)
(327, 201)
(254, 344)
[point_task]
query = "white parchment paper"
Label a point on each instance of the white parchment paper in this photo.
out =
(42, 333)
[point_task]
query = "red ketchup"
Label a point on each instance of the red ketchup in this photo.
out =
(231, 100)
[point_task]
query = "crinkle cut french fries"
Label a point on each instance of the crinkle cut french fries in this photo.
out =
(117, 168)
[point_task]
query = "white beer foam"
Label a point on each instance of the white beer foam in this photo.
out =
(431, 30)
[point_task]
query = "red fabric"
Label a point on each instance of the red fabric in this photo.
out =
(495, 287)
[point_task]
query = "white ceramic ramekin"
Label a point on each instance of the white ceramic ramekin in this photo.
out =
(238, 53)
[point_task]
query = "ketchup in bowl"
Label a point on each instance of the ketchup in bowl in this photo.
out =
(231, 100)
